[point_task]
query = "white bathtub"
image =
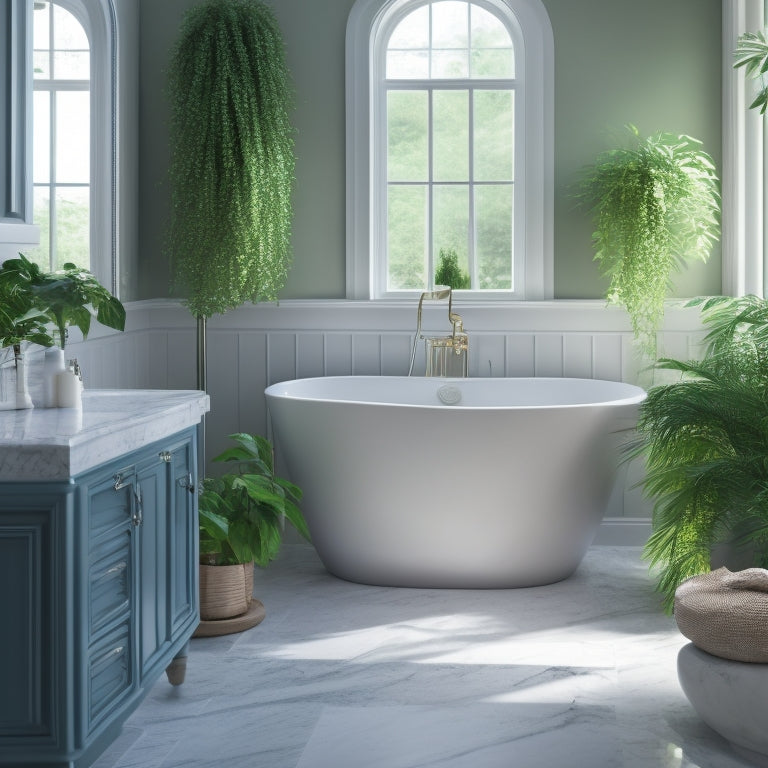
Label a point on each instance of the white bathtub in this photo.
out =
(476, 483)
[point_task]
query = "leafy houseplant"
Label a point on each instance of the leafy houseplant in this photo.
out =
(20, 321)
(242, 512)
(655, 206)
(21, 318)
(232, 160)
(705, 439)
(30, 299)
(241, 521)
(72, 296)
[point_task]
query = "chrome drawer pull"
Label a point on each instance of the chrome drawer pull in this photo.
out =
(121, 566)
(120, 483)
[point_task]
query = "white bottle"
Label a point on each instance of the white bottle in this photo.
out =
(69, 387)
(52, 367)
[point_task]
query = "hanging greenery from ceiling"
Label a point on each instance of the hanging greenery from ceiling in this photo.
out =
(752, 54)
(232, 160)
(655, 206)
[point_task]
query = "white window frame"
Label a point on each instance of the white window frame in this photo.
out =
(745, 163)
(368, 28)
(98, 19)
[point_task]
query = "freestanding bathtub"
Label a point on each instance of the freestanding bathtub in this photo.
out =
(473, 483)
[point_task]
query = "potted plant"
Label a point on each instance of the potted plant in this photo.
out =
(73, 296)
(232, 160)
(242, 514)
(705, 442)
(655, 206)
(21, 322)
(705, 438)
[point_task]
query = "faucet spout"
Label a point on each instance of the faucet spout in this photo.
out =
(446, 355)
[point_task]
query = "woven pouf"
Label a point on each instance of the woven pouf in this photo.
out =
(724, 670)
(726, 614)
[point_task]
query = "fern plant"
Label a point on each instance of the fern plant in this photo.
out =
(705, 441)
(232, 160)
(655, 205)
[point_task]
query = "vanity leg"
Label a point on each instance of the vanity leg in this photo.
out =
(177, 669)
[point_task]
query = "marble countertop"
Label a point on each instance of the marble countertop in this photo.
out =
(58, 443)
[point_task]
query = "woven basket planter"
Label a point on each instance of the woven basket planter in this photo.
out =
(225, 590)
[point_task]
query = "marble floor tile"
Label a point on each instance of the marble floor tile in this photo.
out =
(580, 674)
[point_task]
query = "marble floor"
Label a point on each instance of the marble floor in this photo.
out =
(580, 674)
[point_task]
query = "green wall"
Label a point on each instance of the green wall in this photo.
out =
(655, 64)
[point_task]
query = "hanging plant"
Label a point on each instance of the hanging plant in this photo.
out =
(655, 206)
(232, 161)
(752, 54)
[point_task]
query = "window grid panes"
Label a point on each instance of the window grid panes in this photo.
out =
(61, 138)
(449, 167)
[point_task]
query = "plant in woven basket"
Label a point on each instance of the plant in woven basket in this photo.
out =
(705, 441)
(242, 512)
(655, 206)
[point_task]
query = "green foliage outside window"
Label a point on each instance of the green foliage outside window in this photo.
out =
(487, 196)
(449, 272)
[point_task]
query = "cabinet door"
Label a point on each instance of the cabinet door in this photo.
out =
(184, 537)
(110, 592)
(152, 477)
(31, 636)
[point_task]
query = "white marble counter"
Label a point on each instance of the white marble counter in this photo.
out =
(58, 443)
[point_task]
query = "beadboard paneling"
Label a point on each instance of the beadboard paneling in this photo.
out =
(254, 346)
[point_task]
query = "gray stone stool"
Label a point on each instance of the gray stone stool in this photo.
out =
(724, 670)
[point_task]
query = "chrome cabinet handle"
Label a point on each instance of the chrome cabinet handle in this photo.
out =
(165, 456)
(186, 482)
(138, 515)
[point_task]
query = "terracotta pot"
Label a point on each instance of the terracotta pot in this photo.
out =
(225, 590)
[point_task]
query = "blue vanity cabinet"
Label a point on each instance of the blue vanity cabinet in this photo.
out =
(99, 595)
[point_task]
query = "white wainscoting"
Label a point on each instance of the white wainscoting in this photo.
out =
(254, 346)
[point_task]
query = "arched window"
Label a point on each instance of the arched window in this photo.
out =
(74, 142)
(449, 118)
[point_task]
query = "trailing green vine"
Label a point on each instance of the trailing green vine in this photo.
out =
(232, 159)
(655, 206)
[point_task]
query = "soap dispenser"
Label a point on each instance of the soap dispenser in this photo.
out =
(52, 367)
(69, 386)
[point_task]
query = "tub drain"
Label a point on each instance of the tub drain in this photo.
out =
(449, 395)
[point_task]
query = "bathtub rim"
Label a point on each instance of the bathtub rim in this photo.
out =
(634, 397)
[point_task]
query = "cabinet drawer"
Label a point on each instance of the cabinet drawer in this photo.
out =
(110, 675)
(110, 507)
(109, 581)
